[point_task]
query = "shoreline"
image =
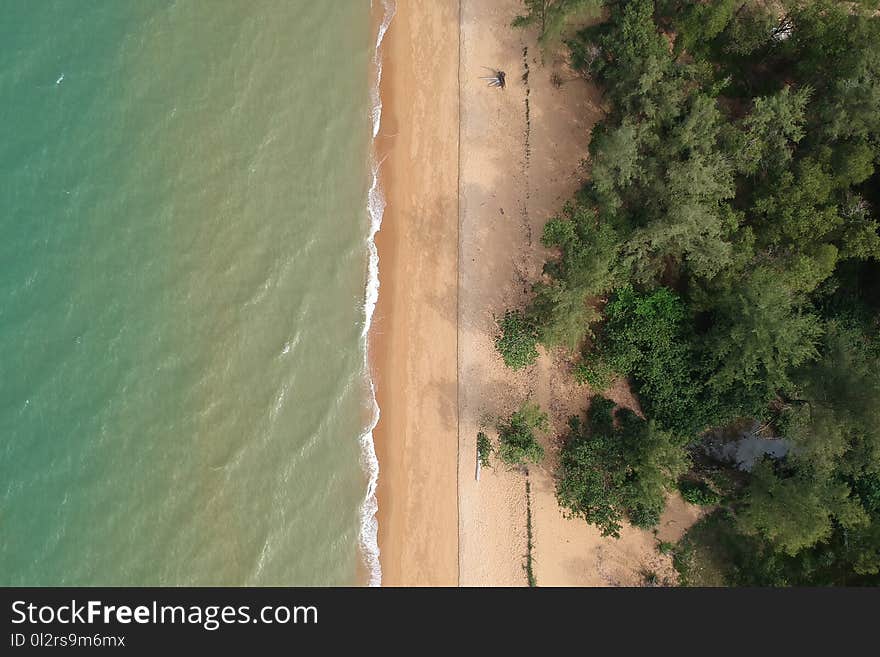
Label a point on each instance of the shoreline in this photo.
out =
(413, 338)
(368, 534)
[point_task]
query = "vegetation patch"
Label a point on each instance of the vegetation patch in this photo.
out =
(698, 492)
(518, 444)
(613, 468)
(723, 259)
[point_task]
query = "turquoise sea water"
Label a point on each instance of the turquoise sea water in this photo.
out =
(183, 258)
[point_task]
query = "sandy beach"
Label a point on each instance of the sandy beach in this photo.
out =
(473, 174)
(413, 342)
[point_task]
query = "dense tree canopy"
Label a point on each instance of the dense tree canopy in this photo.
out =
(723, 258)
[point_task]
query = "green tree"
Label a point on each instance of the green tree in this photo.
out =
(692, 226)
(561, 309)
(834, 411)
(553, 17)
(588, 250)
(611, 470)
(562, 313)
(836, 49)
(795, 513)
(761, 331)
(775, 124)
(799, 207)
(666, 179)
(696, 23)
(616, 162)
(517, 444)
(634, 56)
(812, 203)
(750, 29)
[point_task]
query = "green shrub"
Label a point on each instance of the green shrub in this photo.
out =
(517, 341)
(698, 492)
(595, 373)
(517, 442)
(484, 449)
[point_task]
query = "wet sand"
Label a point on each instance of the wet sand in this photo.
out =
(413, 340)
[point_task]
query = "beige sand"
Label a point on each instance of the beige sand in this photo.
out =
(413, 343)
(515, 173)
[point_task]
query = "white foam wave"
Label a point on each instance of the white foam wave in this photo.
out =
(390, 8)
(369, 530)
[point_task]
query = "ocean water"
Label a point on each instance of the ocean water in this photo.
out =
(187, 198)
